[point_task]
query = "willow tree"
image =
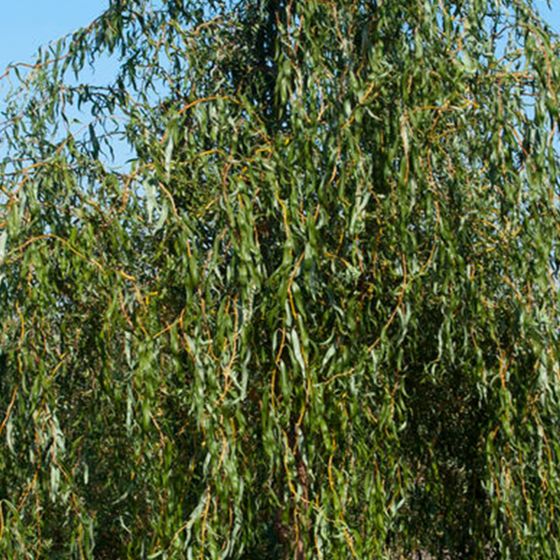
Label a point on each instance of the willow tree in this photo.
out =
(314, 314)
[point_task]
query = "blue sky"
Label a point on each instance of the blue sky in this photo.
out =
(27, 24)
(552, 15)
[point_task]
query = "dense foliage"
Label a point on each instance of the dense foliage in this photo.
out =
(316, 312)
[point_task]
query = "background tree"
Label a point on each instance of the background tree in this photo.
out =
(315, 315)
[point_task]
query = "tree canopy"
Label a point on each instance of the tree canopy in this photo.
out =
(286, 286)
